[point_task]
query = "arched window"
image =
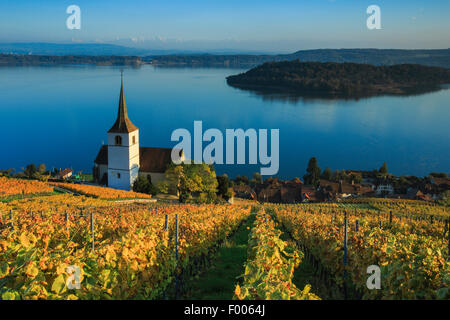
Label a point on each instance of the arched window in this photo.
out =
(118, 176)
(134, 139)
(118, 140)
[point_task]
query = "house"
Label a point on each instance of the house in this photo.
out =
(332, 190)
(383, 187)
(270, 194)
(329, 189)
(244, 192)
(310, 194)
(119, 163)
(441, 183)
(416, 194)
(65, 174)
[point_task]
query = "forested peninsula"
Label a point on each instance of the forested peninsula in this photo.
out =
(332, 79)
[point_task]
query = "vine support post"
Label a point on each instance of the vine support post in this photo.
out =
(176, 256)
(166, 223)
(11, 220)
(357, 225)
(176, 236)
(345, 256)
(92, 230)
(448, 236)
(390, 217)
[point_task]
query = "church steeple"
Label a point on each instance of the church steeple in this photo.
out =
(123, 124)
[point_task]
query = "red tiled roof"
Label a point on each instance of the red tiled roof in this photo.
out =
(65, 172)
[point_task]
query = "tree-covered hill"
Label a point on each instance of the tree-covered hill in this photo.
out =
(341, 79)
(430, 57)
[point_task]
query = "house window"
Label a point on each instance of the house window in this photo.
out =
(118, 140)
(118, 176)
(134, 139)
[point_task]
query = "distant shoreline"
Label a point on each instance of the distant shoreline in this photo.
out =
(431, 57)
(13, 60)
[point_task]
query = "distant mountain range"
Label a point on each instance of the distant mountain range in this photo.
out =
(226, 58)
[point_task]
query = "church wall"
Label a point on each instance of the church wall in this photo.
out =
(119, 183)
(134, 175)
(102, 169)
(156, 176)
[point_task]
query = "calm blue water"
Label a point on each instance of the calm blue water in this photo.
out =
(59, 116)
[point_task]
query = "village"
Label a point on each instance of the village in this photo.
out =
(370, 184)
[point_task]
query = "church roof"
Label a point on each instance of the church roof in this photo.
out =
(150, 159)
(102, 156)
(123, 124)
(154, 159)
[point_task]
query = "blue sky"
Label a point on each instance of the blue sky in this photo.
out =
(267, 25)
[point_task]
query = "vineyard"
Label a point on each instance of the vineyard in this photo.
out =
(411, 252)
(270, 266)
(155, 251)
(123, 251)
(100, 192)
(9, 186)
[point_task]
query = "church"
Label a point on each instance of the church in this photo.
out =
(119, 163)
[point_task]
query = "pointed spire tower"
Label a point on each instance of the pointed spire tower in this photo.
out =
(123, 148)
(123, 124)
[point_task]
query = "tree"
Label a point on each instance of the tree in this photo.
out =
(438, 175)
(223, 189)
(313, 175)
(326, 175)
(242, 180)
(356, 178)
(41, 168)
(445, 198)
(142, 185)
(257, 177)
(30, 170)
(384, 169)
(189, 180)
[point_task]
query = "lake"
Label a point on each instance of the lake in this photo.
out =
(60, 115)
